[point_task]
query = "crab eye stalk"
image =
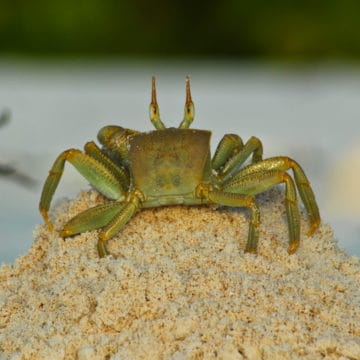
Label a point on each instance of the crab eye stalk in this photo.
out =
(154, 108)
(189, 109)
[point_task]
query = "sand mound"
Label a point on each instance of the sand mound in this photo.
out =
(179, 286)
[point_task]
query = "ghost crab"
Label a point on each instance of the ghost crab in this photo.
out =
(170, 166)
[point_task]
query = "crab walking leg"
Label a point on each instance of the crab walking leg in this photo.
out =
(94, 151)
(254, 146)
(93, 218)
(96, 173)
(118, 222)
(207, 192)
(228, 146)
(284, 163)
(255, 183)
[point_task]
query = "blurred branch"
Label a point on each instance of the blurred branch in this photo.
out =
(4, 117)
(10, 171)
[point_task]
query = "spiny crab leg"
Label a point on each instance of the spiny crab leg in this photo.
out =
(94, 171)
(252, 146)
(282, 164)
(94, 151)
(154, 108)
(92, 218)
(131, 205)
(207, 191)
(229, 145)
(257, 182)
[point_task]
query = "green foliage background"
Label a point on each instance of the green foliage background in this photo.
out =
(261, 28)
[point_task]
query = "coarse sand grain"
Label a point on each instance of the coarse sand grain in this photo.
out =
(179, 286)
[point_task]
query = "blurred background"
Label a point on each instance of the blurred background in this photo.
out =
(286, 72)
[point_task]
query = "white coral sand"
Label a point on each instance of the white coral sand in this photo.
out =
(179, 286)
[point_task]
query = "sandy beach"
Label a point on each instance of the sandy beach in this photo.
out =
(179, 286)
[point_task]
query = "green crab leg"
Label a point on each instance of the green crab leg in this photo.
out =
(228, 146)
(189, 110)
(154, 108)
(283, 163)
(239, 200)
(254, 146)
(93, 218)
(95, 152)
(116, 224)
(94, 171)
(257, 182)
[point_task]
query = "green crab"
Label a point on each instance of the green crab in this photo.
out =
(171, 166)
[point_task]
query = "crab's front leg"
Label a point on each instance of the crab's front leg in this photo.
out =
(93, 218)
(209, 193)
(93, 170)
(257, 182)
(280, 164)
(131, 205)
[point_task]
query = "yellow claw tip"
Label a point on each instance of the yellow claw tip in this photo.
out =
(251, 251)
(45, 216)
(65, 233)
(102, 249)
(313, 228)
(293, 247)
